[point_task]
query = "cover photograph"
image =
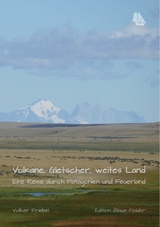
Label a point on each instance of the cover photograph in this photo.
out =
(79, 113)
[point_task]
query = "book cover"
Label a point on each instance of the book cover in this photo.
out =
(79, 113)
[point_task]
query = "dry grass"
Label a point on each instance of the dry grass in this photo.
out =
(109, 221)
(85, 146)
(134, 132)
(70, 159)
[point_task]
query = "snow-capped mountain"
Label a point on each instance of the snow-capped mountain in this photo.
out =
(117, 116)
(85, 113)
(45, 111)
(39, 111)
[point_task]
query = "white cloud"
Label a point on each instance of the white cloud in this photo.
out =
(86, 54)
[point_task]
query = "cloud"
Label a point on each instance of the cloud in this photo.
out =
(66, 49)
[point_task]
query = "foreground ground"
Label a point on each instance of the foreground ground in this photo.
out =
(97, 146)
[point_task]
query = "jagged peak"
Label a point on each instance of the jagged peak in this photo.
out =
(40, 101)
(85, 104)
(44, 110)
(43, 107)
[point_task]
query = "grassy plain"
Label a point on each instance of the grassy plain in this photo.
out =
(85, 146)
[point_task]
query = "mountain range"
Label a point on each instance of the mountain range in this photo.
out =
(45, 111)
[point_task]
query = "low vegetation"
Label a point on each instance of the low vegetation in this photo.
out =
(132, 145)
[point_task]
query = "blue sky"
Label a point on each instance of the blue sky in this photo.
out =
(71, 51)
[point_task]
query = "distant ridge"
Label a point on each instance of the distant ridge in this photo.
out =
(45, 111)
